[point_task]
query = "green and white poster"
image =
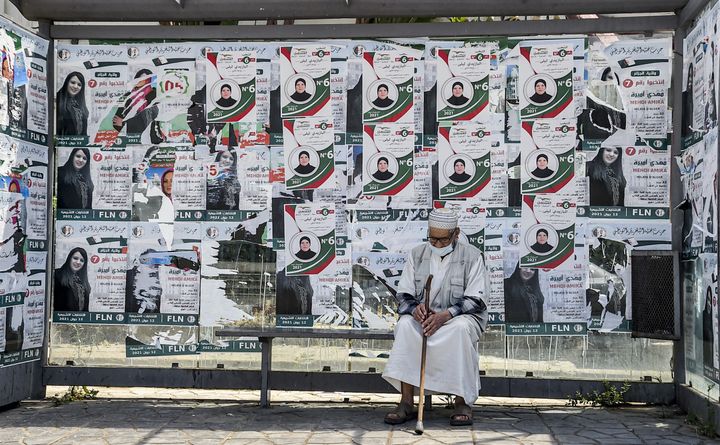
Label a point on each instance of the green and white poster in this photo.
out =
(463, 83)
(463, 160)
(387, 87)
(305, 81)
(230, 86)
(547, 238)
(309, 153)
(309, 239)
(546, 80)
(387, 155)
(547, 155)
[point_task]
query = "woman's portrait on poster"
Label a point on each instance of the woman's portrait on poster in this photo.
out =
(75, 185)
(72, 112)
(72, 288)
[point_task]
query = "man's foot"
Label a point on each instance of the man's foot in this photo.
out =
(401, 414)
(462, 416)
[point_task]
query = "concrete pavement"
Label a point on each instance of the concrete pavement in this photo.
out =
(164, 416)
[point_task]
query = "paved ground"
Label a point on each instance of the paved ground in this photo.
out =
(149, 416)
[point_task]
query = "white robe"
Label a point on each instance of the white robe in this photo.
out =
(451, 365)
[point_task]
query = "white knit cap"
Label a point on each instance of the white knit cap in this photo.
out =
(443, 219)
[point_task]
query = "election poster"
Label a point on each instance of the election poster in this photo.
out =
(309, 153)
(339, 77)
(187, 181)
(162, 286)
(161, 341)
(29, 102)
(94, 183)
(90, 90)
(463, 83)
(309, 238)
(464, 163)
(305, 81)
(24, 170)
(548, 156)
(640, 228)
(609, 286)
(388, 87)
(230, 86)
(254, 176)
(153, 172)
(376, 276)
(547, 239)
(387, 230)
(90, 272)
(543, 302)
(388, 159)
(641, 68)
(494, 248)
(159, 93)
(545, 81)
(223, 183)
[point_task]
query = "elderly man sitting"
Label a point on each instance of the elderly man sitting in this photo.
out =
(457, 318)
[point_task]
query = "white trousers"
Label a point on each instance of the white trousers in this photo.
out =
(451, 365)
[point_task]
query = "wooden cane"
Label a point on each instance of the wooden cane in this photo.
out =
(419, 427)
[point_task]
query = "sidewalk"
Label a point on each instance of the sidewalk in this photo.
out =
(164, 416)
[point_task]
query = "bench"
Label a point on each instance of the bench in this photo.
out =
(267, 335)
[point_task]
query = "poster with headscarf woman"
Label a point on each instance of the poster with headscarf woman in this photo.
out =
(309, 239)
(90, 272)
(388, 159)
(464, 164)
(547, 238)
(309, 153)
(463, 83)
(547, 155)
(545, 80)
(388, 87)
(230, 86)
(96, 179)
(159, 93)
(91, 84)
(305, 81)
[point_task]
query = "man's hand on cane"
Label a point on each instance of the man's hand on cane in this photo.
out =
(430, 321)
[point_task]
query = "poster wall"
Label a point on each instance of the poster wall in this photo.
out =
(257, 184)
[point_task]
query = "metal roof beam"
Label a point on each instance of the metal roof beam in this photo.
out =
(691, 10)
(295, 32)
(218, 10)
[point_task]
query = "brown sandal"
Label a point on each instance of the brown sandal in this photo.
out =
(462, 416)
(401, 414)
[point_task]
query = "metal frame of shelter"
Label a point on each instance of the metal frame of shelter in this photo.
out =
(629, 16)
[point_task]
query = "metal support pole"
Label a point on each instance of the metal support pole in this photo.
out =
(39, 388)
(676, 194)
(265, 368)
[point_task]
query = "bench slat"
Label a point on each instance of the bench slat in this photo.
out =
(368, 334)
